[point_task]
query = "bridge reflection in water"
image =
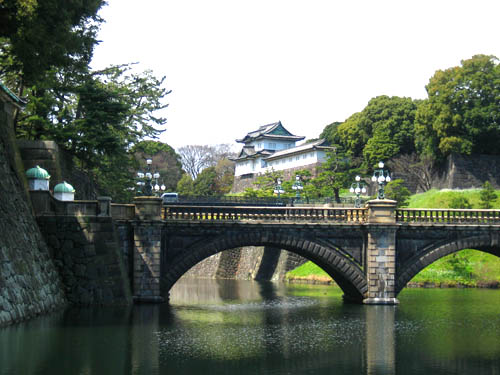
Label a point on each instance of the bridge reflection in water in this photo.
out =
(229, 327)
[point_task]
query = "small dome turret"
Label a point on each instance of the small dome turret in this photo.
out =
(64, 192)
(64, 187)
(38, 178)
(38, 173)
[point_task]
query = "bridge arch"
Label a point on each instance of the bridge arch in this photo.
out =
(488, 243)
(345, 271)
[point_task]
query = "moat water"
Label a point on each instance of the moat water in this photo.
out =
(238, 327)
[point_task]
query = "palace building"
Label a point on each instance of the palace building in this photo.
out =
(273, 148)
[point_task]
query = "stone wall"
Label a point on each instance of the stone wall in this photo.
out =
(459, 172)
(86, 253)
(247, 263)
(465, 172)
(29, 282)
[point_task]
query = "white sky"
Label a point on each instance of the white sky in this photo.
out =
(235, 65)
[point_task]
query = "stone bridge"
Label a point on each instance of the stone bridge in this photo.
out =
(370, 252)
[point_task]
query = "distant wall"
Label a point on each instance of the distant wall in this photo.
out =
(465, 172)
(29, 282)
(459, 172)
(247, 263)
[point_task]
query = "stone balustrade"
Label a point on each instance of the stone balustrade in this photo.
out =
(447, 216)
(217, 213)
(122, 211)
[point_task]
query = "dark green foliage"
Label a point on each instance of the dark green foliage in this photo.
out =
(165, 161)
(329, 133)
(461, 202)
(460, 264)
(38, 36)
(487, 196)
(205, 184)
(185, 186)
(336, 173)
(98, 116)
(395, 190)
(381, 131)
(266, 183)
(461, 114)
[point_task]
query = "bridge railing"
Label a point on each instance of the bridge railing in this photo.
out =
(447, 216)
(217, 213)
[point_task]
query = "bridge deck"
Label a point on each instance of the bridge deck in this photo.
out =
(327, 214)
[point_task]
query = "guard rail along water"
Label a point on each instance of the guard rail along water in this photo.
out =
(217, 213)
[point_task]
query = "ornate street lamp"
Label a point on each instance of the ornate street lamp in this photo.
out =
(278, 189)
(159, 189)
(382, 177)
(357, 188)
(297, 186)
(144, 183)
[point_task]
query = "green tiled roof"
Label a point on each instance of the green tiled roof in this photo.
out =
(13, 96)
(64, 187)
(37, 173)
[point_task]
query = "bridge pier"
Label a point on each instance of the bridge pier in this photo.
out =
(147, 250)
(381, 253)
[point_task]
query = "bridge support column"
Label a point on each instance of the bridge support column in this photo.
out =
(147, 249)
(381, 253)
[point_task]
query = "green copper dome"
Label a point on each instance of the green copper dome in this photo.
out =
(64, 187)
(37, 173)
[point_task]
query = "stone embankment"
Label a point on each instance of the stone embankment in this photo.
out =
(86, 254)
(29, 282)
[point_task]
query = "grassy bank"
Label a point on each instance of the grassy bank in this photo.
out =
(444, 198)
(469, 268)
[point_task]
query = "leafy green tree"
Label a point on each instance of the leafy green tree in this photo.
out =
(98, 116)
(337, 172)
(329, 133)
(396, 190)
(185, 186)
(353, 134)
(266, 183)
(38, 36)
(205, 184)
(383, 129)
(462, 112)
(487, 196)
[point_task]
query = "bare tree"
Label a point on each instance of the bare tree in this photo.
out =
(421, 169)
(195, 158)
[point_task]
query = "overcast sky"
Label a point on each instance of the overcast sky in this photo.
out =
(235, 65)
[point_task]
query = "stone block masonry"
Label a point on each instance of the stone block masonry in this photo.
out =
(29, 283)
(381, 253)
(147, 251)
(86, 253)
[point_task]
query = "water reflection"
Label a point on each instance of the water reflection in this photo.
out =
(228, 327)
(380, 339)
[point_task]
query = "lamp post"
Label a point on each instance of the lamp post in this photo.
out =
(357, 188)
(159, 189)
(297, 186)
(278, 189)
(382, 177)
(144, 183)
